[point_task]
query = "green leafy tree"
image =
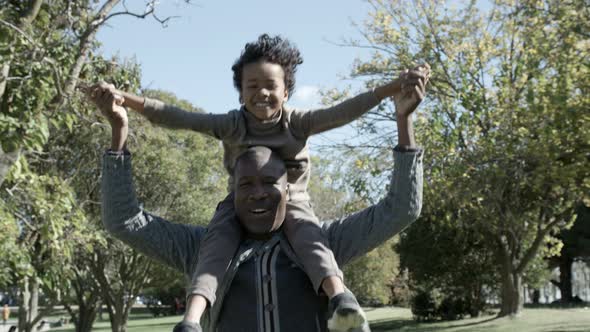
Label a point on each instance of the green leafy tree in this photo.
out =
(45, 47)
(450, 259)
(46, 51)
(50, 227)
(506, 127)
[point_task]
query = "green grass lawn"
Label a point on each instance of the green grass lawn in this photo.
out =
(400, 319)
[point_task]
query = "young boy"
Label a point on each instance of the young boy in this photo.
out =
(264, 76)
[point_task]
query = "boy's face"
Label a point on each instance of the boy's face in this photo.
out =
(263, 89)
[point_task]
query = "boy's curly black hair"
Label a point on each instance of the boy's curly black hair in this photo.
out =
(274, 50)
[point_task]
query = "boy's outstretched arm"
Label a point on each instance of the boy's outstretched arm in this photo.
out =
(219, 126)
(132, 101)
(317, 121)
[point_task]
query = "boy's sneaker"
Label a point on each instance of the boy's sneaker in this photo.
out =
(185, 326)
(346, 314)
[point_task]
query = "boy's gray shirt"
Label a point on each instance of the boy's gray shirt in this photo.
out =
(177, 245)
(286, 133)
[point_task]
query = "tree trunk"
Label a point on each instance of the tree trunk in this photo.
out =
(536, 296)
(86, 317)
(28, 310)
(118, 318)
(565, 279)
(34, 308)
(512, 299)
(23, 305)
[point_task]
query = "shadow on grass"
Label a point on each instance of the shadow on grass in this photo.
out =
(395, 324)
(145, 326)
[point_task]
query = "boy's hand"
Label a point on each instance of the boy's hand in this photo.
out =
(413, 90)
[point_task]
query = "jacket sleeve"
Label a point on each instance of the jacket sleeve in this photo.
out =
(316, 121)
(361, 232)
(220, 126)
(176, 245)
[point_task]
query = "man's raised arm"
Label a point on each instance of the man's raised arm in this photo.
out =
(361, 232)
(173, 244)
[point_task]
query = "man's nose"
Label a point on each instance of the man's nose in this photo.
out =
(258, 193)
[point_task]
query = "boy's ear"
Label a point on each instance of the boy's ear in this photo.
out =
(288, 193)
(286, 94)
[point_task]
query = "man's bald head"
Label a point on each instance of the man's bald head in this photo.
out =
(261, 156)
(260, 187)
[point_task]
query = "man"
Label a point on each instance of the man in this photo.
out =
(265, 288)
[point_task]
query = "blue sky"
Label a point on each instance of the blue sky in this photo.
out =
(192, 56)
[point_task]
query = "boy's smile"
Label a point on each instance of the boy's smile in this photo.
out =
(263, 89)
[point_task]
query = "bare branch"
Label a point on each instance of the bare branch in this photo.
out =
(150, 11)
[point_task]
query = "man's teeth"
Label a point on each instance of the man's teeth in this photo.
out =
(262, 104)
(259, 210)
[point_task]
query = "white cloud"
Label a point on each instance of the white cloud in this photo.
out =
(306, 96)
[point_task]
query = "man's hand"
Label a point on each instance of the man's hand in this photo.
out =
(109, 103)
(413, 90)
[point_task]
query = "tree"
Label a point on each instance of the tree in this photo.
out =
(44, 47)
(50, 226)
(505, 126)
(448, 258)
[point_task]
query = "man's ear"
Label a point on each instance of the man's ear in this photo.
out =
(286, 95)
(241, 99)
(288, 192)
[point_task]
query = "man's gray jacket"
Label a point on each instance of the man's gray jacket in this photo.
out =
(265, 288)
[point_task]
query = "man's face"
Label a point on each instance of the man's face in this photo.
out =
(260, 192)
(263, 89)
